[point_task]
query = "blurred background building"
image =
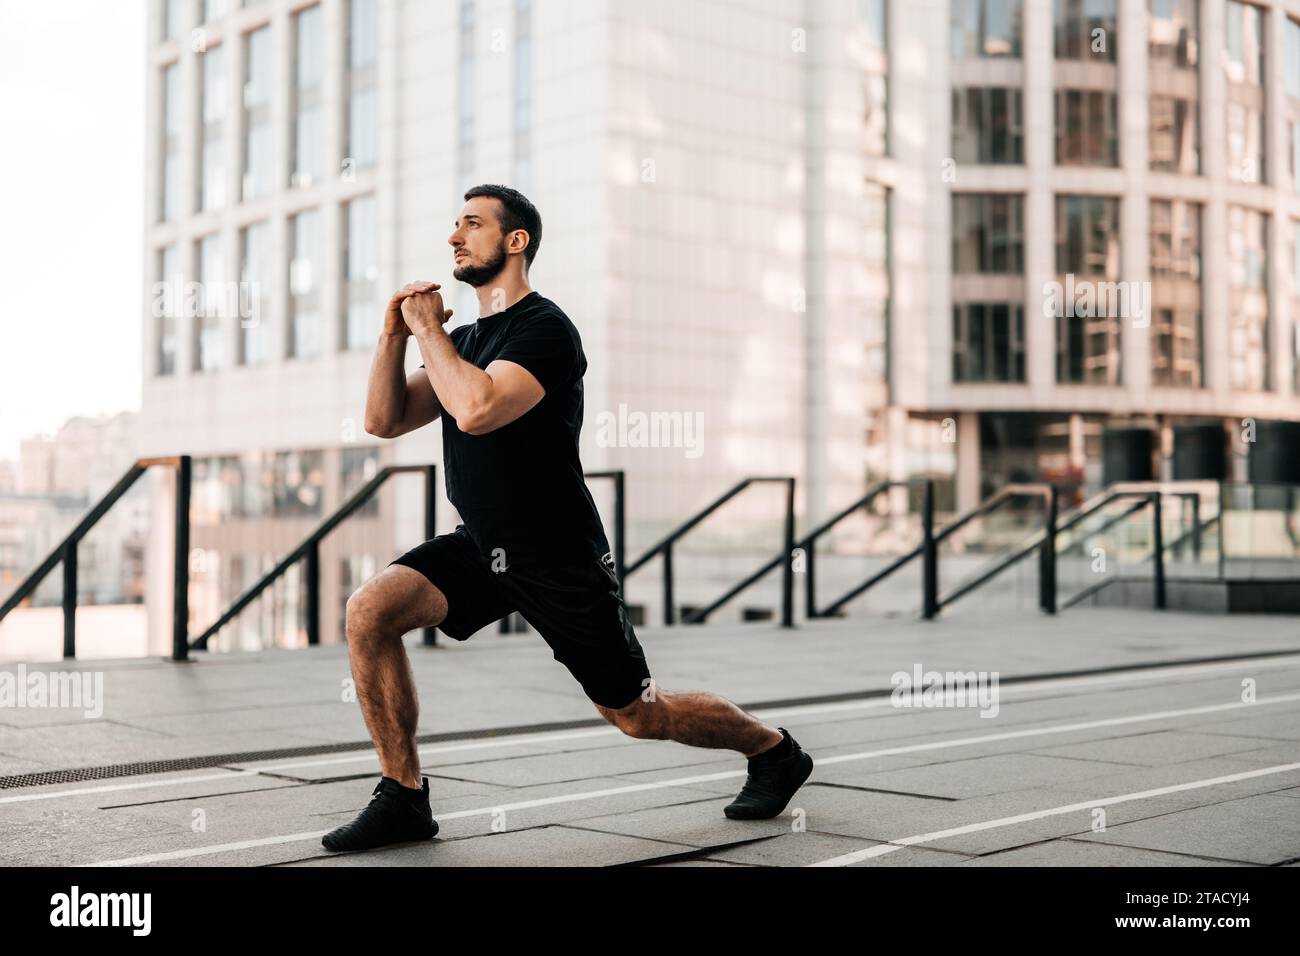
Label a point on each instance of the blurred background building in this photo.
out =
(828, 229)
(48, 490)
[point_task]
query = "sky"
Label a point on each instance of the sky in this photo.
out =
(71, 211)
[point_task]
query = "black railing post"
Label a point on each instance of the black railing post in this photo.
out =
(311, 570)
(1160, 552)
(620, 531)
(70, 600)
(668, 584)
(1223, 530)
(929, 558)
(430, 634)
(787, 567)
(181, 562)
(1196, 527)
(1047, 557)
(810, 578)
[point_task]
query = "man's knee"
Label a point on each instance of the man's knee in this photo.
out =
(392, 604)
(644, 719)
(365, 615)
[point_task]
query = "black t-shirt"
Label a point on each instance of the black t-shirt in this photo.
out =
(520, 487)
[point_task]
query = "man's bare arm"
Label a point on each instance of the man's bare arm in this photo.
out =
(421, 407)
(395, 403)
(480, 400)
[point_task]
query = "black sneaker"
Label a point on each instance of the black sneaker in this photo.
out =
(771, 783)
(393, 815)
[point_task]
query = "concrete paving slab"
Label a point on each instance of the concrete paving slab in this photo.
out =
(1080, 822)
(1272, 724)
(978, 776)
(1140, 779)
(89, 796)
(319, 807)
(11, 765)
(1153, 748)
(810, 846)
(538, 846)
(699, 824)
(575, 765)
(1269, 755)
(914, 856)
(1263, 829)
(435, 758)
(705, 862)
(1075, 852)
(886, 816)
(63, 837)
(301, 717)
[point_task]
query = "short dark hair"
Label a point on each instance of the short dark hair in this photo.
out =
(516, 213)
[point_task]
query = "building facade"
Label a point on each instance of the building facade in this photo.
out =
(818, 239)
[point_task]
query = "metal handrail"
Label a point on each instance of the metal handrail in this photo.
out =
(927, 550)
(1045, 543)
(1198, 528)
(308, 551)
(1037, 541)
(994, 502)
(808, 541)
(1158, 550)
(665, 547)
(66, 552)
(807, 544)
(1049, 494)
(1109, 497)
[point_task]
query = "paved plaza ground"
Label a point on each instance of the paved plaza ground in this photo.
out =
(1120, 737)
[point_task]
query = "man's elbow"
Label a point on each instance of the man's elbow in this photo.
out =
(379, 431)
(477, 421)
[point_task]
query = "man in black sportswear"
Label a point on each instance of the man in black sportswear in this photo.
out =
(508, 389)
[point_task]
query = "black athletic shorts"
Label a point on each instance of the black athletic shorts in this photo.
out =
(575, 608)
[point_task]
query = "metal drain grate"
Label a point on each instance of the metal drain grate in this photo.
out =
(81, 774)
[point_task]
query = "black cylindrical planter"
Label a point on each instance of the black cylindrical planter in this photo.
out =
(1274, 456)
(1127, 454)
(1200, 452)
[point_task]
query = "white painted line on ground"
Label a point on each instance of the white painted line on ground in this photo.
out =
(723, 775)
(115, 787)
(495, 742)
(1060, 729)
(895, 845)
(804, 710)
(1149, 675)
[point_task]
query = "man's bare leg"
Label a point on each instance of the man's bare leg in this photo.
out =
(778, 766)
(695, 718)
(393, 603)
